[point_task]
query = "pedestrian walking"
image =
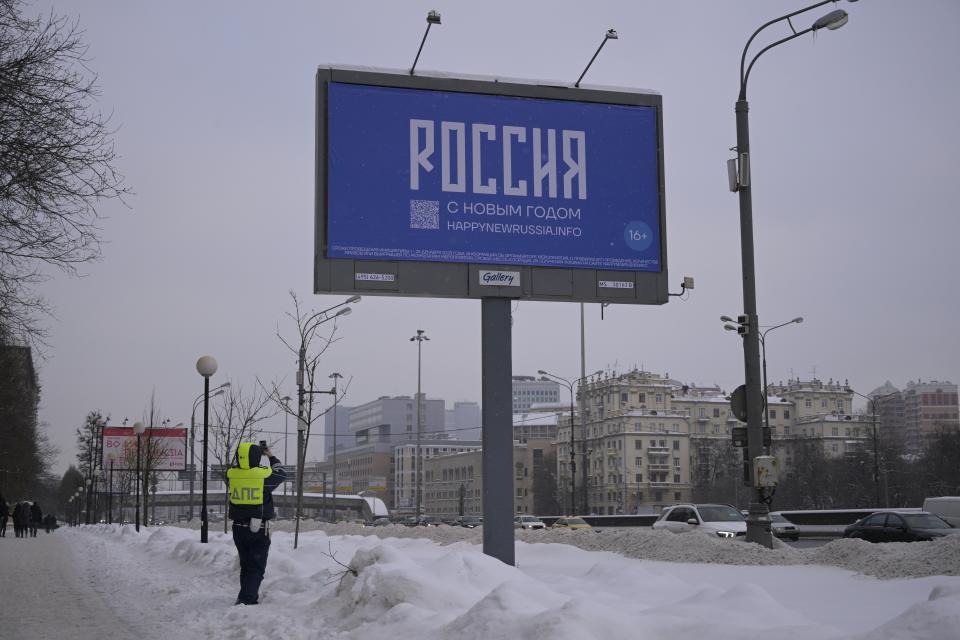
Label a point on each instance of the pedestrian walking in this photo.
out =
(4, 512)
(36, 519)
(251, 509)
(49, 522)
(21, 513)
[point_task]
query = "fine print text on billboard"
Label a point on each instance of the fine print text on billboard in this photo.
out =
(442, 176)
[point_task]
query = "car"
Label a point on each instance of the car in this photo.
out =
(430, 521)
(381, 522)
(724, 520)
(528, 522)
(570, 523)
(471, 522)
(783, 528)
(410, 521)
(894, 526)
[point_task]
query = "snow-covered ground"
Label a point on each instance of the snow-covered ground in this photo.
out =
(348, 582)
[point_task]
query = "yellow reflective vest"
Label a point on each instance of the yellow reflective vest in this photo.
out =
(246, 485)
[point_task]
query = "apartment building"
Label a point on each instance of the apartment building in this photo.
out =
(646, 436)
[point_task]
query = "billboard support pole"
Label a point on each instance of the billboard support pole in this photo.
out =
(497, 371)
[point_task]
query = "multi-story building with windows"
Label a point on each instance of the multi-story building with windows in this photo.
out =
(404, 470)
(927, 407)
(453, 483)
(529, 391)
(647, 437)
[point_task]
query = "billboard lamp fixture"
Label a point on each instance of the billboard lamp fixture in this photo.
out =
(433, 17)
(611, 34)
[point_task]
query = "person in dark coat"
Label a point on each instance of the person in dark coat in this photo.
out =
(20, 516)
(49, 522)
(251, 509)
(36, 519)
(4, 512)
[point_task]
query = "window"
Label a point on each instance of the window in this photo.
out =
(676, 496)
(786, 431)
(823, 403)
(676, 478)
(638, 462)
(786, 414)
(676, 445)
(835, 431)
(840, 405)
(642, 397)
(773, 414)
(716, 413)
(639, 477)
(834, 447)
(623, 397)
(808, 403)
(638, 444)
(659, 398)
(676, 462)
(703, 412)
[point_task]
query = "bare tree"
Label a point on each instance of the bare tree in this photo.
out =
(235, 420)
(56, 160)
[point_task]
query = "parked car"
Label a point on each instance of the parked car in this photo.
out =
(783, 528)
(471, 522)
(892, 526)
(528, 522)
(722, 519)
(381, 522)
(570, 523)
(430, 521)
(410, 521)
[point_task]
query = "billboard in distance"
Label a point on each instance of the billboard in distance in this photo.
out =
(161, 449)
(470, 188)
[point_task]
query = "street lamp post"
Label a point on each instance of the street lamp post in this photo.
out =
(307, 329)
(286, 414)
(335, 376)
(876, 444)
(110, 495)
(206, 367)
(418, 462)
(138, 428)
(218, 391)
(98, 490)
(758, 520)
(573, 455)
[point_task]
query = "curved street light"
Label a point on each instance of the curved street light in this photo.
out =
(573, 456)
(758, 519)
(309, 326)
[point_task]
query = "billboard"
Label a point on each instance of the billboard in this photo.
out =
(470, 188)
(161, 449)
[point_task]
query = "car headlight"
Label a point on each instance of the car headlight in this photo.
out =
(726, 534)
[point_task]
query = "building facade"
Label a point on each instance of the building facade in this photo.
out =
(529, 391)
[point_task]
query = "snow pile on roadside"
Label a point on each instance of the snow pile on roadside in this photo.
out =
(383, 583)
(893, 560)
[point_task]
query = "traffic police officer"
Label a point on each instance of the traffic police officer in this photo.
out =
(251, 509)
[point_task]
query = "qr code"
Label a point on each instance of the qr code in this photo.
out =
(424, 214)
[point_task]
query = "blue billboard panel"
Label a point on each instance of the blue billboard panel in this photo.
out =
(444, 176)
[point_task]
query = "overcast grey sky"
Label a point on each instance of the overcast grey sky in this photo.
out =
(854, 137)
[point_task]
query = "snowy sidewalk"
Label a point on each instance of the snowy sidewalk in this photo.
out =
(45, 597)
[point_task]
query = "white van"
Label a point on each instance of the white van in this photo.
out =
(947, 507)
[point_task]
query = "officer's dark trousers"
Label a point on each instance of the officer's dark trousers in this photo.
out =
(253, 549)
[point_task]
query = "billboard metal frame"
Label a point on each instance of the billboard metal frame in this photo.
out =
(462, 280)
